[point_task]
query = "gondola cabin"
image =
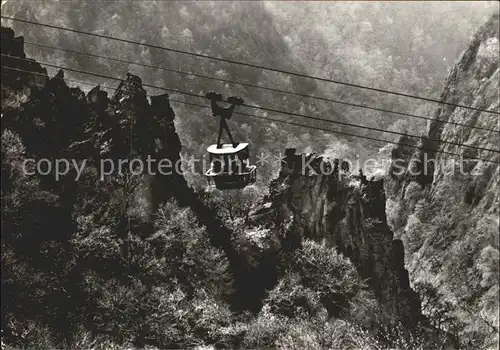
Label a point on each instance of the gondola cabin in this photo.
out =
(230, 166)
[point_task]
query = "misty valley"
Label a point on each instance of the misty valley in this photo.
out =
(250, 175)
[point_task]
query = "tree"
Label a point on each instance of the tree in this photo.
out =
(234, 204)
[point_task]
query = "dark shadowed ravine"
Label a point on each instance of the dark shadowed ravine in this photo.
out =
(349, 238)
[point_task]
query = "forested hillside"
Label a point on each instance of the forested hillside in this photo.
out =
(449, 220)
(302, 259)
(143, 261)
(403, 47)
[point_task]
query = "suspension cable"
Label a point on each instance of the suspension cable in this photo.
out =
(176, 71)
(277, 120)
(252, 65)
(269, 109)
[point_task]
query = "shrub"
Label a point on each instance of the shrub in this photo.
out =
(329, 274)
(186, 248)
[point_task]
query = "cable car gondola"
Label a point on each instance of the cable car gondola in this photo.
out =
(229, 163)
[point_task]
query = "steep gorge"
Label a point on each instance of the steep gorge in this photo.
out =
(313, 198)
(447, 217)
(91, 127)
(347, 211)
(55, 121)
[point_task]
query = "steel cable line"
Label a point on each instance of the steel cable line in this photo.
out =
(64, 79)
(252, 65)
(272, 119)
(258, 86)
(267, 109)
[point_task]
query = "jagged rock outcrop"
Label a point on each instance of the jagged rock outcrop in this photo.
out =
(56, 121)
(17, 84)
(312, 198)
(125, 126)
(13, 57)
(448, 216)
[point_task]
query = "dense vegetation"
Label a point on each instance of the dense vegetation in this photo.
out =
(84, 265)
(90, 265)
(397, 46)
(448, 220)
(106, 287)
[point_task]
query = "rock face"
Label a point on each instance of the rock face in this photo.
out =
(14, 63)
(94, 126)
(448, 217)
(312, 199)
(124, 127)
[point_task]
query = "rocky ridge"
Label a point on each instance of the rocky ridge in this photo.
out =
(313, 198)
(448, 217)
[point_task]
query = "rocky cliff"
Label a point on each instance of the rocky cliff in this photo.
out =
(92, 127)
(55, 121)
(447, 217)
(313, 199)
(89, 126)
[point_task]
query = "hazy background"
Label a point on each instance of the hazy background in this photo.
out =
(401, 46)
(95, 263)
